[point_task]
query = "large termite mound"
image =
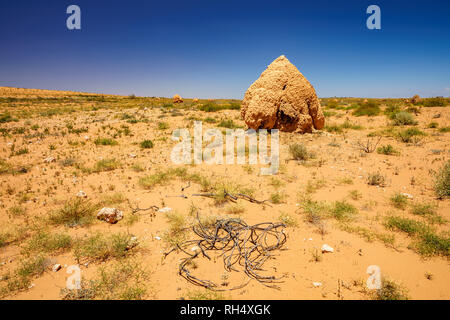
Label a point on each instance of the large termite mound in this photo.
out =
(282, 99)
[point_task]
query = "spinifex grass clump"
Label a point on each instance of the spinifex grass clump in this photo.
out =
(442, 182)
(100, 247)
(403, 118)
(427, 241)
(146, 144)
(409, 134)
(370, 108)
(387, 150)
(75, 212)
(105, 142)
(299, 152)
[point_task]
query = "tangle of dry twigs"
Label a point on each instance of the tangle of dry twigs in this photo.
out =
(240, 245)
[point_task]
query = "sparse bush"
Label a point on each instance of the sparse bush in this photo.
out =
(106, 165)
(409, 226)
(408, 134)
(342, 210)
(177, 228)
(75, 212)
(434, 102)
(163, 125)
(100, 247)
(300, 152)
(370, 108)
(105, 142)
(125, 280)
(205, 295)
(403, 118)
(288, 220)
(235, 209)
(387, 150)
(146, 144)
(442, 181)
(423, 209)
(48, 243)
(228, 124)
(391, 291)
(399, 201)
(376, 179)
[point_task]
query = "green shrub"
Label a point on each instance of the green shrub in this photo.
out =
(342, 210)
(299, 152)
(376, 179)
(411, 227)
(105, 142)
(403, 118)
(399, 201)
(146, 144)
(75, 212)
(163, 125)
(434, 102)
(408, 134)
(442, 181)
(106, 165)
(370, 108)
(391, 291)
(100, 247)
(387, 150)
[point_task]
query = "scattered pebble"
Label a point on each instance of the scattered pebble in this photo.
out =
(81, 194)
(165, 209)
(327, 248)
(56, 267)
(409, 196)
(317, 284)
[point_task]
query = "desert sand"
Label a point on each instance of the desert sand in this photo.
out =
(373, 207)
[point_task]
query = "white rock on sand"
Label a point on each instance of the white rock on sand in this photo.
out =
(327, 248)
(110, 215)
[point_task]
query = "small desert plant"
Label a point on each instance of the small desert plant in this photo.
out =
(100, 247)
(390, 291)
(177, 228)
(163, 125)
(403, 118)
(228, 124)
(235, 209)
(370, 145)
(387, 150)
(300, 152)
(434, 102)
(125, 280)
(376, 179)
(105, 142)
(355, 194)
(277, 197)
(407, 135)
(47, 242)
(399, 201)
(106, 165)
(442, 181)
(409, 226)
(423, 209)
(342, 210)
(205, 295)
(370, 108)
(146, 144)
(288, 220)
(75, 212)
(433, 125)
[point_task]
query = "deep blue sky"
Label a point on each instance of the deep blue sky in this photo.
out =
(216, 49)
